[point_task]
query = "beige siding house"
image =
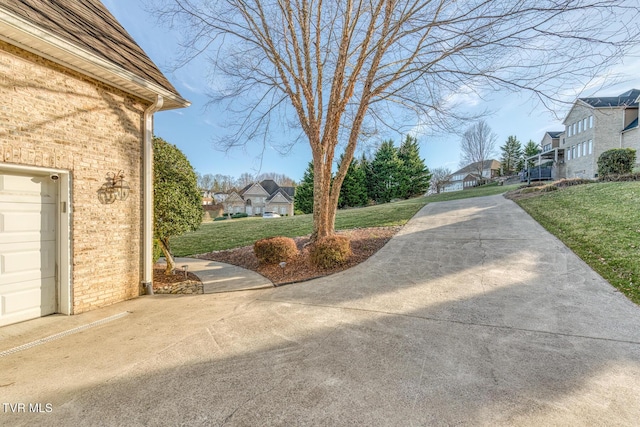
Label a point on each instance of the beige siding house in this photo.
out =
(76, 112)
(261, 197)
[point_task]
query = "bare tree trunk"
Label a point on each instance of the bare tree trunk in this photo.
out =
(322, 212)
(346, 65)
(171, 264)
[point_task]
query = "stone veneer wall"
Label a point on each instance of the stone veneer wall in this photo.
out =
(54, 117)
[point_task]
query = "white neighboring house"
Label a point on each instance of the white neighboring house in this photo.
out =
(261, 197)
(468, 176)
(211, 198)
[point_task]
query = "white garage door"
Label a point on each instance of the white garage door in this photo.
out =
(27, 246)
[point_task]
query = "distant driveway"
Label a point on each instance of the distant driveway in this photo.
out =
(472, 315)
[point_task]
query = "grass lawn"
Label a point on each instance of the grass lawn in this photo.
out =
(600, 222)
(235, 233)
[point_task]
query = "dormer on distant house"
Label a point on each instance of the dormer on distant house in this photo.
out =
(261, 197)
(595, 125)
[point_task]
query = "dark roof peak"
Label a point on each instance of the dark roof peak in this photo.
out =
(626, 99)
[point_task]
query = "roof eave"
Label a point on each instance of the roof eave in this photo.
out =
(25, 35)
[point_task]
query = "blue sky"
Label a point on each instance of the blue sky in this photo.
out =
(192, 129)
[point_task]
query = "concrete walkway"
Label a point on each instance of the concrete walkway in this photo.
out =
(220, 277)
(471, 315)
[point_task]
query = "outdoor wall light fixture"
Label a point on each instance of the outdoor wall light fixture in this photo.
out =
(115, 188)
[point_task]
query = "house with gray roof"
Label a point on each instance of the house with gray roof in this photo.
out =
(595, 125)
(473, 175)
(77, 102)
(261, 197)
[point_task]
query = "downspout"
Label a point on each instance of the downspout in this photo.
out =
(623, 117)
(147, 194)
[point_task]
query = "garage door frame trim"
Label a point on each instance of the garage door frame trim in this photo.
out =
(63, 237)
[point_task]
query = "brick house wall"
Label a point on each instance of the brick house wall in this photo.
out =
(53, 117)
(605, 134)
(631, 139)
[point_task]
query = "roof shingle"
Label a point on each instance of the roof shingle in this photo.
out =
(88, 25)
(627, 99)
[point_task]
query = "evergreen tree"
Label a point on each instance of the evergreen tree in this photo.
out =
(511, 154)
(386, 174)
(354, 187)
(303, 200)
(415, 175)
(530, 149)
(177, 201)
(365, 165)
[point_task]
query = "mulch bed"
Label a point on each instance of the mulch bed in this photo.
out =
(364, 243)
(176, 283)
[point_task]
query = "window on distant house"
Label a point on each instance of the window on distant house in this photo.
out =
(568, 131)
(575, 127)
(590, 146)
(584, 124)
(590, 122)
(580, 126)
(584, 148)
(573, 151)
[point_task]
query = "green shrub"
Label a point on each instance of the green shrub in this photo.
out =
(275, 249)
(635, 176)
(240, 215)
(618, 161)
(157, 250)
(569, 182)
(330, 251)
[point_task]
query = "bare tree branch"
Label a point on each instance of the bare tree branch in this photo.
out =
(339, 69)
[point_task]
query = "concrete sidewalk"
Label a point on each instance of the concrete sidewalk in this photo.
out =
(220, 277)
(472, 315)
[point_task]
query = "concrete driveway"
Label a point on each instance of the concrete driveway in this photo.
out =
(471, 315)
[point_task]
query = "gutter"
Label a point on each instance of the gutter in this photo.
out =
(147, 194)
(26, 35)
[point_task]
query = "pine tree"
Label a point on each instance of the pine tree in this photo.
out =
(303, 200)
(530, 149)
(386, 173)
(415, 175)
(511, 154)
(354, 187)
(365, 165)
